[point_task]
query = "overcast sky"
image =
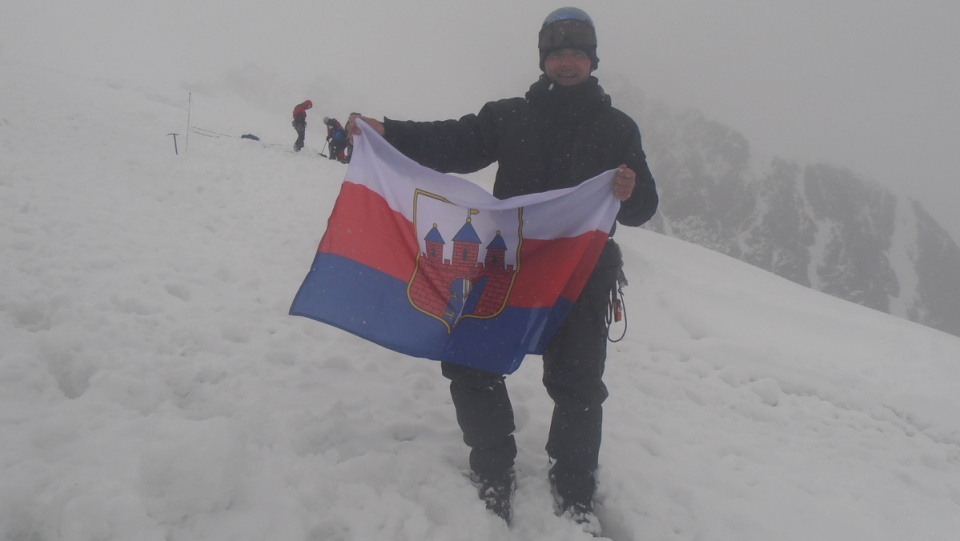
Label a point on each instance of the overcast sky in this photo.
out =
(867, 84)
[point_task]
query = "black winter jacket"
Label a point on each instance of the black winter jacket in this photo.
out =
(555, 137)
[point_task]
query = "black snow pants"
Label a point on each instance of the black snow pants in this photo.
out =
(573, 367)
(301, 127)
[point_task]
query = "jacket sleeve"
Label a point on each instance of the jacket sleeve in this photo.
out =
(465, 145)
(643, 203)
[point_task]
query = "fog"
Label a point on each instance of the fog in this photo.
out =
(154, 388)
(868, 85)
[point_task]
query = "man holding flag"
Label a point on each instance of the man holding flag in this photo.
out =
(563, 132)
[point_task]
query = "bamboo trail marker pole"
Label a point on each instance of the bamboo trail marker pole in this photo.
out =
(189, 104)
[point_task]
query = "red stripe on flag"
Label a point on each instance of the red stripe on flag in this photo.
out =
(364, 228)
(543, 261)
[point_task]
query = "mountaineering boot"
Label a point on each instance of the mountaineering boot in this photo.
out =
(579, 511)
(585, 517)
(496, 493)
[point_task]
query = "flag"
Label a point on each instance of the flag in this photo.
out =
(433, 266)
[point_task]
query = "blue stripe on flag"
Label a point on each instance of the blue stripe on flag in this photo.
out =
(374, 306)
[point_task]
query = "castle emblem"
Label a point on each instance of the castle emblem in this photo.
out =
(455, 280)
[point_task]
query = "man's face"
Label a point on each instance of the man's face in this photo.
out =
(567, 67)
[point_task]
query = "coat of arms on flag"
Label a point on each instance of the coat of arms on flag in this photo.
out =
(433, 266)
(465, 269)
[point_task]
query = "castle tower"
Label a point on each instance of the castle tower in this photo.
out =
(435, 242)
(466, 245)
(496, 254)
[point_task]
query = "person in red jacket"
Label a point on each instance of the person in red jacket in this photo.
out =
(300, 122)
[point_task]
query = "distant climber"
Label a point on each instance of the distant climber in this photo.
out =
(337, 139)
(300, 123)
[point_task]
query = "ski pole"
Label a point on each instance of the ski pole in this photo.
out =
(174, 143)
(324, 148)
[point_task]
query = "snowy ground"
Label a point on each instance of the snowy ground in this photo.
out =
(153, 387)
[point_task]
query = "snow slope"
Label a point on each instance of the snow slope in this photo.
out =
(153, 387)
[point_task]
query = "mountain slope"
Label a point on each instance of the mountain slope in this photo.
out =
(818, 225)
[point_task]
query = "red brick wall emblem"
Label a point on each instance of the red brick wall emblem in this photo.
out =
(471, 274)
